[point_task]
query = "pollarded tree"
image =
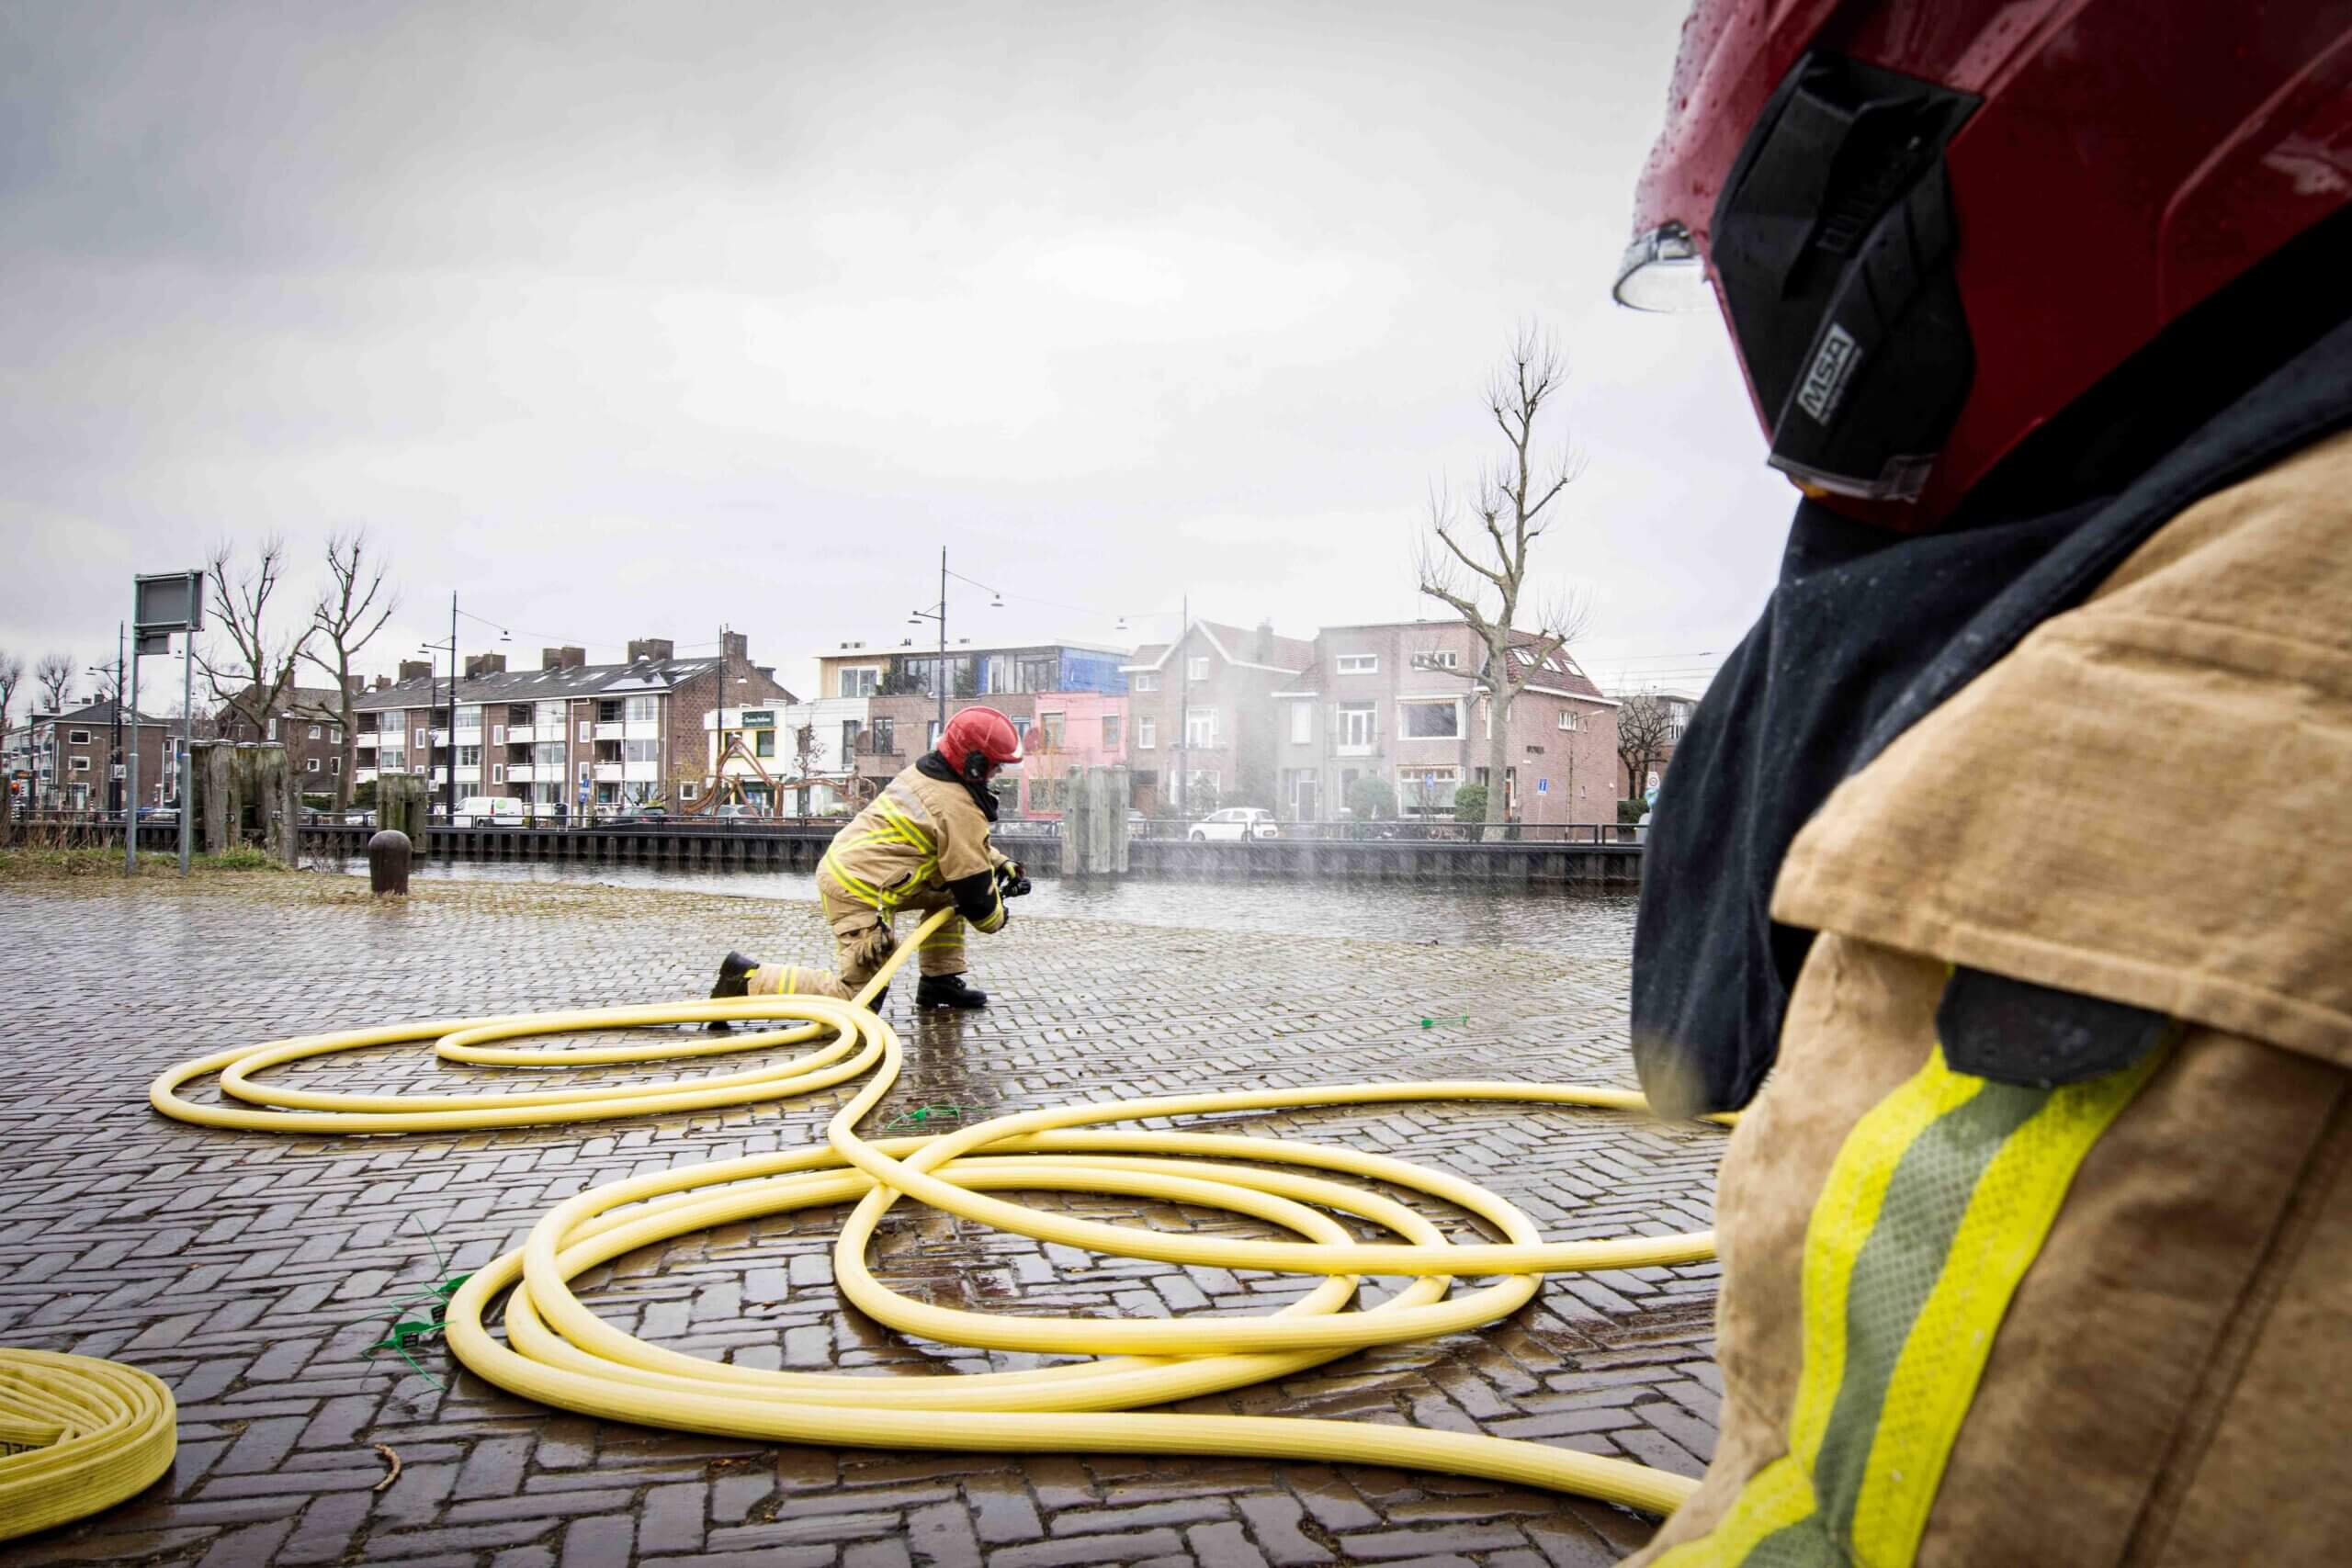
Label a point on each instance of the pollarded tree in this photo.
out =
(348, 615)
(1643, 720)
(1477, 565)
(252, 677)
(52, 675)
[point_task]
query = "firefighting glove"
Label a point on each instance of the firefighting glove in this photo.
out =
(1010, 880)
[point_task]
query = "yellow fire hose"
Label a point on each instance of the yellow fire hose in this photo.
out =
(559, 1352)
(76, 1435)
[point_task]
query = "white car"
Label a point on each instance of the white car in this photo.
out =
(1236, 823)
(490, 811)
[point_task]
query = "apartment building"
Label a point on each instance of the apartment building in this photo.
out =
(1202, 715)
(1407, 702)
(68, 761)
(571, 737)
(1067, 686)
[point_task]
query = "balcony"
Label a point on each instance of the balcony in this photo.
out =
(642, 729)
(520, 772)
(525, 734)
(608, 772)
(642, 772)
(365, 739)
(610, 731)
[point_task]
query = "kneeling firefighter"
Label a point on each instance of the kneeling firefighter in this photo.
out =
(922, 845)
(2005, 873)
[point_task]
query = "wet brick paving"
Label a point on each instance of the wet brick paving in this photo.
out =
(250, 1272)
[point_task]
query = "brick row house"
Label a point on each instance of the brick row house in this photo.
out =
(308, 721)
(1407, 702)
(1203, 715)
(68, 761)
(570, 738)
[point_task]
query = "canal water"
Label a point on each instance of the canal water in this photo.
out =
(1586, 924)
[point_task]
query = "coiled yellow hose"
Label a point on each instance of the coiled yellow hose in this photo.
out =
(559, 1352)
(76, 1435)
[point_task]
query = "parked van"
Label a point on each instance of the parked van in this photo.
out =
(490, 811)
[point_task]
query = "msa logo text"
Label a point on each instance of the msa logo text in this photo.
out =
(1831, 368)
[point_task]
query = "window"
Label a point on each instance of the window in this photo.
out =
(392, 760)
(849, 738)
(314, 732)
(271, 733)
(642, 710)
(1021, 732)
(1110, 732)
(1200, 727)
(1426, 789)
(469, 720)
(498, 735)
(551, 715)
(1571, 720)
(1302, 723)
(1051, 723)
(1438, 659)
(1440, 720)
(1197, 668)
(77, 738)
(79, 765)
(420, 740)
(1145, 681)
(587, 729)
(310, 765)
(498, 773)
(1357, 664)
(1356, 724)
(335, 764)
(1147, 734)
(762, 743)
(689, 790)
(640, 750)
(335, 733)
(860, 683)
(469, 757)
(885, 736)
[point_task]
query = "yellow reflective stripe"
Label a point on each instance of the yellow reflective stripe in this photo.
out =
(1843, 1218)
(856, 886)
(1775, 1497)
(2010, 1215)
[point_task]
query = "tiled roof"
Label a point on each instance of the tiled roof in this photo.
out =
(540, 685)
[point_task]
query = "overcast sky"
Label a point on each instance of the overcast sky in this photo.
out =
(637, 319)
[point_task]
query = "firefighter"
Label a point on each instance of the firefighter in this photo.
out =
(2005, 873)
(922, 845)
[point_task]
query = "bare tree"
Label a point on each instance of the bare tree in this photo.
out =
(348, 615)
(12, 675)
(1477, 565)
(253, 676)
(53, 674)
(1643, 720)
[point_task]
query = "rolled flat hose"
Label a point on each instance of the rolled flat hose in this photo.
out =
(559, 1352)
(77, 1435)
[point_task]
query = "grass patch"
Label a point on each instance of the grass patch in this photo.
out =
(66, 865)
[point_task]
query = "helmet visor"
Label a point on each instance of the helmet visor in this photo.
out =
(1662, 272)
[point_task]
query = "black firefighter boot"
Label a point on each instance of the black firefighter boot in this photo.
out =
(948, 991)
(734, 980)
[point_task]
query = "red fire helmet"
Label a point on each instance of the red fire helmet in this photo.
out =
(977, 741)
(1932, 224)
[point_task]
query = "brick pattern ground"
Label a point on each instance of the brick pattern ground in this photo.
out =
(250, 1272)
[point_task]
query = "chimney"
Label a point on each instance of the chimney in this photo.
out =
(383, 683)
(416, 670)
(562, 658)
(735, 647)
(485, 664)
(658, 649)
(1265, 642)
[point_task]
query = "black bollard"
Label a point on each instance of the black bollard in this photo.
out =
(387, 858)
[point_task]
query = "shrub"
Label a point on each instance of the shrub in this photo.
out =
(1371, 798)
(1470, 803)
(1631, 810)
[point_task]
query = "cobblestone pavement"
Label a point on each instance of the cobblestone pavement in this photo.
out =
(250, 1272)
